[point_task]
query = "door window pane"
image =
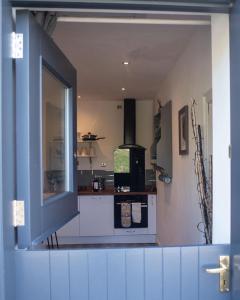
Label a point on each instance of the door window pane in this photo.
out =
(54, 102)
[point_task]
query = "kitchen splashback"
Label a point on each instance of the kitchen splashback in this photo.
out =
(85, 177)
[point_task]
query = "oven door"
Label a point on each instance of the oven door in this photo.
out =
(130, 211)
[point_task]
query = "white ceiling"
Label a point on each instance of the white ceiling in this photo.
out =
(97, 52)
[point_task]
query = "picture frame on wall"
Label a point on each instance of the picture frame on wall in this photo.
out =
(183, 131)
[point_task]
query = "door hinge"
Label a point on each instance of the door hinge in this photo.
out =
(18, 213)
(230, 151)
(17, 45)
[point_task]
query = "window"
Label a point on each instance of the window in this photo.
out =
(54, 135)
(122, 161)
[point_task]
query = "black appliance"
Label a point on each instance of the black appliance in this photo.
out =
(120, 215)
(132, 157)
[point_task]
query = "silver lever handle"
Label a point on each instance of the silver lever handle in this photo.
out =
(224, 273)
(217, 270)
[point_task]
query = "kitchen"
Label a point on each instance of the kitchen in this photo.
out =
(117, 196)
(119, 114)
(47, 274)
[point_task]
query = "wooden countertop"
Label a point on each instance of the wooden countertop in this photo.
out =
(105, 192)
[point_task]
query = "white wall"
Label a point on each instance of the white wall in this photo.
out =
(178, 208)
(221, 129)
(104, 119)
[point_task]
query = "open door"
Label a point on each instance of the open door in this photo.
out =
(44, 159)
(45, 132)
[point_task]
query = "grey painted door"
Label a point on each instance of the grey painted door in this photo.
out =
(235, 141)
(46, 126)
(7, 167)
(207, 283)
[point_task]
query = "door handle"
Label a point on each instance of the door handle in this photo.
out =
(216, 270)
(224, 273)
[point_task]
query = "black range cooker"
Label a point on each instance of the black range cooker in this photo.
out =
(130, 211)
(129, 158)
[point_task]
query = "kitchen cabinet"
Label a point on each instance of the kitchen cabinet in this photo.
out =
(96, 215)
(96, 219)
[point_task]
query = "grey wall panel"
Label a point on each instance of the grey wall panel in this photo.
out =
(97, 264)
(189, 273)
(79, 275)
(235, 250)
(135, 274)
(59, 272)
(208, 284)
(116, 260)
(171, 273)
(153, 273)
(33, 275)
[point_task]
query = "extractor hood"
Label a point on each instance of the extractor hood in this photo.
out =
(129, 132)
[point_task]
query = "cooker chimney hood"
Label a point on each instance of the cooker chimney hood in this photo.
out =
(130, 124)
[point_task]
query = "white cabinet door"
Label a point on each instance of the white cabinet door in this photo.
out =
(96, 215)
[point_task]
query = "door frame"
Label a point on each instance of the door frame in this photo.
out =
(8, 246)
(219, 23)
(2, 292)
(217, 6)
(7, 155)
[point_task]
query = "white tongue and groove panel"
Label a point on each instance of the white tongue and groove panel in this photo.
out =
(152, 273)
